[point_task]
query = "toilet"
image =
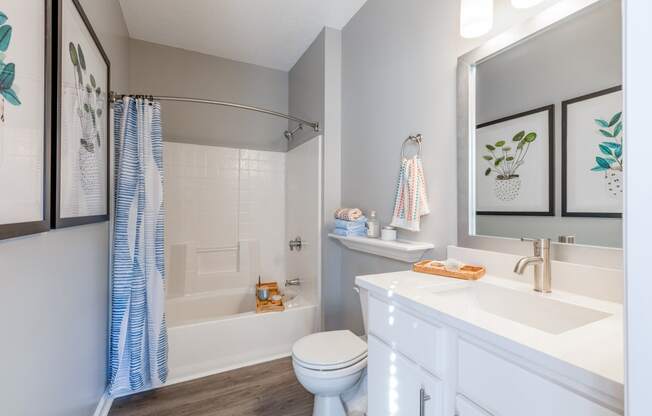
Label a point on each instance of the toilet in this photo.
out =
(328, 364)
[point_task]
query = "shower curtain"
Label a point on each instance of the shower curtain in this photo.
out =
(138, 336)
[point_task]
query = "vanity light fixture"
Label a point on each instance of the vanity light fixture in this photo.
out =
(476, 17)
(524, 4)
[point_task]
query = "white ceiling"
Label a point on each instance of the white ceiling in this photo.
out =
(271, 33)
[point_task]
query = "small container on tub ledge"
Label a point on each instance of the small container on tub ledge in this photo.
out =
(271, 302)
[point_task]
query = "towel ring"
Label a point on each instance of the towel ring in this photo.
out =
(412, 139)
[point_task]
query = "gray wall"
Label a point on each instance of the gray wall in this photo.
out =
(306, 89)
(578, 57)
(398, 78)
(315, 94)
(163, 70)
(54, 293)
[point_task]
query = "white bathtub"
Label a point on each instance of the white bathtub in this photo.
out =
(214, 332)
(208, 306)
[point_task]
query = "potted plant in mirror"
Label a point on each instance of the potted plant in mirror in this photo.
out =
(610, 160)
(504, 161)
(7, 76)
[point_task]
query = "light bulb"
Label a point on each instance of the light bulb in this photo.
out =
(524, 4)
(476, 17)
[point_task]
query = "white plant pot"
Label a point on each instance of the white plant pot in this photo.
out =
(90, 178)
(613, 180)
(507, 189)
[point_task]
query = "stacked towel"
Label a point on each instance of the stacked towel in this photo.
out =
(357, 227)
(411, 199)
(348, 214)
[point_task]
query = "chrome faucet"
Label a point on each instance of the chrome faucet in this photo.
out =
(541, 263)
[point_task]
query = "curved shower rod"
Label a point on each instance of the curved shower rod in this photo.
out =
(113, 97)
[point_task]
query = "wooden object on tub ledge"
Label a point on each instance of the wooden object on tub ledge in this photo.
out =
(466, 272)
(269, 305)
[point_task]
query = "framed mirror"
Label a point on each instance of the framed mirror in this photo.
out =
(540, 135)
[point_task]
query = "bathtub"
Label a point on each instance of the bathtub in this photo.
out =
(213, 332)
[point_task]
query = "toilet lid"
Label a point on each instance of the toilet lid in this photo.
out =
(329, 350)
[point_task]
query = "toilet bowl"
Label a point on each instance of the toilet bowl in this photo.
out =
(328, 364)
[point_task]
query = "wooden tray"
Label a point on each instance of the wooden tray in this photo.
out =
(466, 272)
(263, 306)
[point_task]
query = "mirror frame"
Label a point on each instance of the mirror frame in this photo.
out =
(466, 66)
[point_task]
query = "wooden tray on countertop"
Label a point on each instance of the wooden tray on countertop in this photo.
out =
(466, 272)
(263, 306)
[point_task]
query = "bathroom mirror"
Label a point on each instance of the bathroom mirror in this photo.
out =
(540, 133)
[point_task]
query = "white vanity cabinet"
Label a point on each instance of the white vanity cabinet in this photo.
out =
(461, 375)
(398, 386)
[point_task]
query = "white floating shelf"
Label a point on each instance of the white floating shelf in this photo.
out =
(401, 250)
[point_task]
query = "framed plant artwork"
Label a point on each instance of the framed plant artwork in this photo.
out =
(25, 91)
(592, 155)
(81, 165)
(515, 164)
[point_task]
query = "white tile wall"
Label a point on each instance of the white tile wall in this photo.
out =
(262, 209)
(303, 200)
(217, 197)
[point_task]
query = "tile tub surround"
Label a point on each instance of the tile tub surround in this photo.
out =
(212, 273)
(589, 357)
(217, 200)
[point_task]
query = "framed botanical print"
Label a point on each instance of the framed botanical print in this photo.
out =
(592, 155)
(514, 164)
(25, 82)
(81, 165)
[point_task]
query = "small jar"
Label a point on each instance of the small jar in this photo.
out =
(388, 234)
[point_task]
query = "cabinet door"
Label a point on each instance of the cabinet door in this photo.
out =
(507, 389)
(395, 384)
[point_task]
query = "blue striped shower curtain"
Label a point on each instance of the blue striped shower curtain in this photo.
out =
(138, 336)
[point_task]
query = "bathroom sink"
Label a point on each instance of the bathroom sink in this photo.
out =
(531, 309)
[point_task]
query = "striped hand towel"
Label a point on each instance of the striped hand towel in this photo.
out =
(411, 199)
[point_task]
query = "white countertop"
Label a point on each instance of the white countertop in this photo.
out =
(591, 354)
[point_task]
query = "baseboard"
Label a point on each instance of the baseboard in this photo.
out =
(104, 405)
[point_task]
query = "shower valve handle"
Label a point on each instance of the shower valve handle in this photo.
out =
(296, 243)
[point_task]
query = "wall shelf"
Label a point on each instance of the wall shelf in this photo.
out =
(401, 250)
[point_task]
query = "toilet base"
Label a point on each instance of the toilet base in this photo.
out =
(328, 406)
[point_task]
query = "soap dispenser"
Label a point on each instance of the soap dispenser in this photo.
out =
(373, 226)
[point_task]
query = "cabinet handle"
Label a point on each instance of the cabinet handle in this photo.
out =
(423, 398)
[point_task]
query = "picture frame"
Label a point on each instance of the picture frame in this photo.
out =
(80, 166)
(592, 155)
(25, 117)
(502, 186)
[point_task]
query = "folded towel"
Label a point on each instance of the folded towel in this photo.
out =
(411, 199)
(348, 214)
(349, 233)
(349, 225)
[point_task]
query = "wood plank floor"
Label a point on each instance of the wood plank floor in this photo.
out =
(268, 389)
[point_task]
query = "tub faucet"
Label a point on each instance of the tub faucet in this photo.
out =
(541, 263)
(293, 282)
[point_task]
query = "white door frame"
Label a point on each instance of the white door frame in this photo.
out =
(638, 206)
